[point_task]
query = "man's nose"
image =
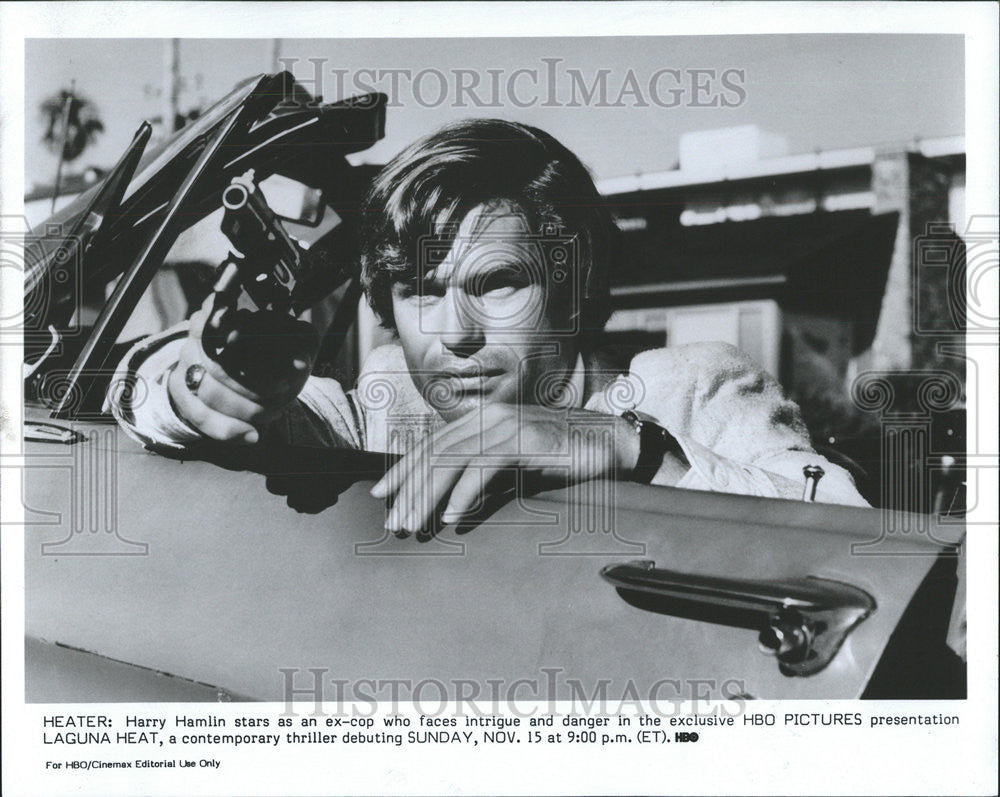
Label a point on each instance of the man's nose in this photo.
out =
(461, 333)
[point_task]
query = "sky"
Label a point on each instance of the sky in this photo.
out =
(819, 91)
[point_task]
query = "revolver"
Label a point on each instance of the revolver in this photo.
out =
(265, 346)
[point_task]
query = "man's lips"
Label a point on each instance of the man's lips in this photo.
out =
(471, 379)
(469, 371)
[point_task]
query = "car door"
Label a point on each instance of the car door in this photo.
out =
(205, 572)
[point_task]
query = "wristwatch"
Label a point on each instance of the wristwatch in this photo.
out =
(654, 443)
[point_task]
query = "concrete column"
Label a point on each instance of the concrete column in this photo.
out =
(891, 348)
(918, 189)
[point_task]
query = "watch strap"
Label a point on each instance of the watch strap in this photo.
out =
(654, 443)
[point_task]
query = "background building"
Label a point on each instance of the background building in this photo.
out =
(794, 224)
(807, 262)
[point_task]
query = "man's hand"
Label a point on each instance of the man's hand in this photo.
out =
(461, 463)
(220, 407)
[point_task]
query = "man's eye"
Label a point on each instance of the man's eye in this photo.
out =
(420, 291)
(500, 292)
(502, 284)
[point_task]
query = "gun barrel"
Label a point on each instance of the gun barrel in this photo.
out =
(269, 260)
(235, 197)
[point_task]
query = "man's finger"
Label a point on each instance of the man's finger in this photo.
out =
(410, 486)
(418, 501)
(222, 399)
(196, 323)
(471, 489)
(397, 475)
(425, 476)
(447, 440)
(203, 418)
(391, 481)
(193, 354)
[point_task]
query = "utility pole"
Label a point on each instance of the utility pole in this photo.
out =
(172, 89)
(66, 110)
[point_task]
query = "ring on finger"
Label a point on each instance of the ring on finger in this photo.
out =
(193, 377)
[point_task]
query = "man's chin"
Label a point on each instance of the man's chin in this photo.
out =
(453, 398)
(463, 406)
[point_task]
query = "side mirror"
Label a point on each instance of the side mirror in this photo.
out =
(293, 201)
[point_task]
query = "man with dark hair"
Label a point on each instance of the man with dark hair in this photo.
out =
(487, 250)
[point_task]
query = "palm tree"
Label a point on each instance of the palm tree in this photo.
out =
(72, 124)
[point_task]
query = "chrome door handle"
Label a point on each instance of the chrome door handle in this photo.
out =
(802, 621)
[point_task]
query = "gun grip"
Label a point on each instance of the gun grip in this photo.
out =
(268, 352)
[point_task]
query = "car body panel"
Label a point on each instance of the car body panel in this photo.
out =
(208, 576)
(62, 674)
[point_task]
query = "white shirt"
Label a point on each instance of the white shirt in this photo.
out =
(738, 431)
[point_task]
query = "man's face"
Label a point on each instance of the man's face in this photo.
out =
(481, 325)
